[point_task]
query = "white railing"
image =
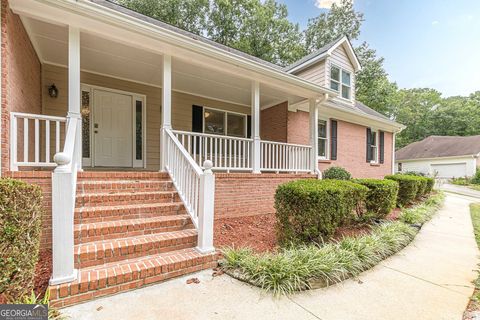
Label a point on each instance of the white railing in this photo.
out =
(34, 139)
(285, 157)
(64, 182)
(225, 152)
(195, 187)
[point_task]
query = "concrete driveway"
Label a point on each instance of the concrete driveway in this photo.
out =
(463, 190)
(430, 279)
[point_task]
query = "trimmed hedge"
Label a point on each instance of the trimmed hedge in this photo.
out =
(381, 196)
(422, 186)
(407, 188)
(311, 210)
(476, 177)
(337, 173)
(429, 182)
(20, 221)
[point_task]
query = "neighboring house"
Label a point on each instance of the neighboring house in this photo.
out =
(442, 157)
(120, 117)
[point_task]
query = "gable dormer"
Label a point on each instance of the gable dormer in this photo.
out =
(332, 66)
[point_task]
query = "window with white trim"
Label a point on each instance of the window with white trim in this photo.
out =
(374, 146)
(322, 139)
(341, 81)
(224, 123)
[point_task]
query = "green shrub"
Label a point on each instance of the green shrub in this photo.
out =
(476, 178)
(337, 173)
(20, 220)
(422, 186)
(461, 181)
(381, 196)
(426, 183)
(311, 210)
(430, 185)
(414, 173)
(407, 188)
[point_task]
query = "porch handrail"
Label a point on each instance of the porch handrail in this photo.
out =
(64, 182)
(195, 187)
(285, 157)
(38, 142)
(225, 152)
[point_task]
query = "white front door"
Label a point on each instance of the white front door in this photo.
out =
(112, 127)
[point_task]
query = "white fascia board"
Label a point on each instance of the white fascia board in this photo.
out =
(95, 18)
(460, 157)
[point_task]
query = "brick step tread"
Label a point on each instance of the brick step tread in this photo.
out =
(104, 251)
(130, 274)
(89, 186)
(127, 211)
(95, 231)
(122, 175)
(120, 198)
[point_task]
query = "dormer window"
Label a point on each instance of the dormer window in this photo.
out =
(340, 80)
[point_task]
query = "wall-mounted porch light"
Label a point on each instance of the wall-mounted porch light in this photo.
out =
(53, 91)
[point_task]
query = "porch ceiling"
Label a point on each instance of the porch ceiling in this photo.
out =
(107, 57)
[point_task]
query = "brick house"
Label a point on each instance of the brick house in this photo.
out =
(141, 134)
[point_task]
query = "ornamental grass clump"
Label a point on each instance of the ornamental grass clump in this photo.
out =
(423, 212)
(311, 210)
(381, 197)
(20, 221)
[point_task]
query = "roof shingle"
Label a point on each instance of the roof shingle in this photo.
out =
(440, 146)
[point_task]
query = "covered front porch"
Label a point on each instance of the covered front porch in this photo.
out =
(125, 97)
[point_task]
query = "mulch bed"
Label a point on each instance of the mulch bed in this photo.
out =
(256, 232)
(43, 272)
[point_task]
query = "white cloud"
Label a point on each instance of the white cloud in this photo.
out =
(327, 4)
(434, 23)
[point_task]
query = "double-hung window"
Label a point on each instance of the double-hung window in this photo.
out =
(340, 80)
(224, 123)
(374, 146)
(322, 139)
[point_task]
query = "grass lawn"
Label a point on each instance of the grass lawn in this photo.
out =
(474, 304)
(475, 187)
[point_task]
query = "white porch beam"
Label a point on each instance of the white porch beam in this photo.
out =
(166, 106)
(256, 126)
(313, 108)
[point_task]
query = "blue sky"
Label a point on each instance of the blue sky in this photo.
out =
(425, 43)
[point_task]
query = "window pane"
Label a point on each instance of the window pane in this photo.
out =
(335, 73)
(322, 128)
(85, 111)
(374, 139)
(334, 85)
(345, 92)
(214, 121)
(138, 130)
(236, 125)
(322, 147)
(346, 78)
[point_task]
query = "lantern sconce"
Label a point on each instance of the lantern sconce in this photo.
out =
(53, 91)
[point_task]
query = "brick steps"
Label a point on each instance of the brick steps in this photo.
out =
(130, 274)
(128, 211)
(100, 252)
(88, 232)
(130, 229)
(122, 198)
(115, 186)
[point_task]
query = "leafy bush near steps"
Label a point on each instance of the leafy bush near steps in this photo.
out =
(311, 210)
(337, 173)
(381, 196)
(20, 221)
(407, 188)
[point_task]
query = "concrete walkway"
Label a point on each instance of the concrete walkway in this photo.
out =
(430, 279)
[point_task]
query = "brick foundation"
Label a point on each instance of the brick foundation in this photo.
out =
(244, 194)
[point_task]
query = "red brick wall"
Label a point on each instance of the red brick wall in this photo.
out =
(21, 75)
(351, 146)
(44, 180)
(244, 194)
(273, 123)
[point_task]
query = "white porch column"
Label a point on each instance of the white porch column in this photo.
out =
(256, 126)
(64, 178)
(74, 88)
(393, 152)
(313, 108)
(166, 106)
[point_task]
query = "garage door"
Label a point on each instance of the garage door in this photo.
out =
(450, 170)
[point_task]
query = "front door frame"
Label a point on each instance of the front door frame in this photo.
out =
(136, 163)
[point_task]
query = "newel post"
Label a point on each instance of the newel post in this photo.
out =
(206, 209)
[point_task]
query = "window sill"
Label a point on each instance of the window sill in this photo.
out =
(375, 164)
(321, 160)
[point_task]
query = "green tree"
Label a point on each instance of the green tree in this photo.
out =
(373, 87)
(339, 21)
